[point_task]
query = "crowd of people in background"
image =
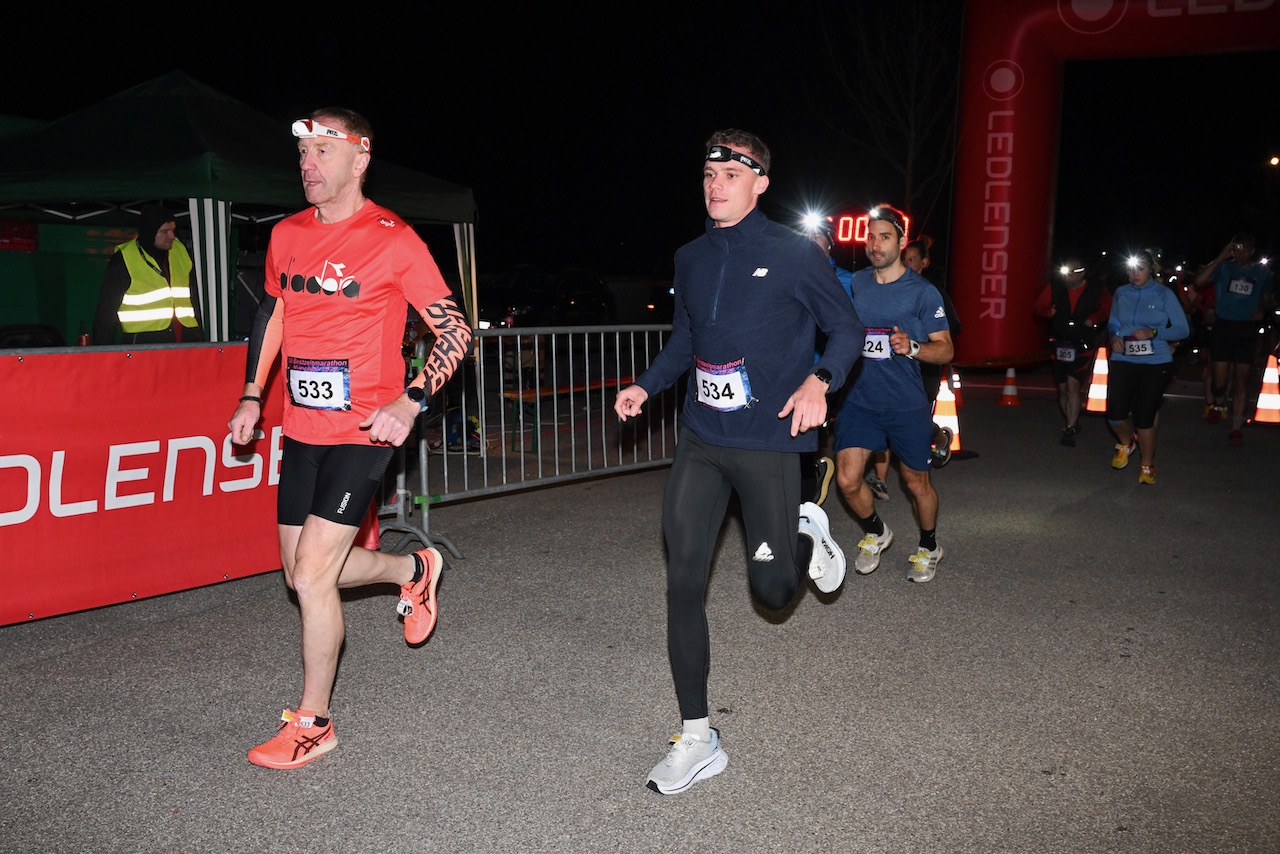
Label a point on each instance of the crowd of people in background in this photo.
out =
(1216, 316)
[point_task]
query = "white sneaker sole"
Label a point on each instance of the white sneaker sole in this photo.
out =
(713, 766)
(820, 580)
(819, 533)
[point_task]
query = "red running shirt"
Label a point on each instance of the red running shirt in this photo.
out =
(344, 287)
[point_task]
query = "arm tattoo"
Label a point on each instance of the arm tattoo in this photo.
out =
(452, 344)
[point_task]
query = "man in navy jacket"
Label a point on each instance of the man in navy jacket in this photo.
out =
(750, 296)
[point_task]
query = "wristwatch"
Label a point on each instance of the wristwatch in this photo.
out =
(915, 350)
(824, 375)
(418, 396)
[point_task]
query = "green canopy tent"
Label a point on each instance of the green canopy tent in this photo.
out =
(175, 138)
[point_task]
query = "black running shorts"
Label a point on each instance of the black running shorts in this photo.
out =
(334, 482)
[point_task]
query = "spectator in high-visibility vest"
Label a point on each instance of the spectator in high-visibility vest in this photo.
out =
(146, 295)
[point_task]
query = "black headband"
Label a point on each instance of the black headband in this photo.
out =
(721, 153)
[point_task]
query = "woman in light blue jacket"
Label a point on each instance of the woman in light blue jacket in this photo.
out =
(1145, 317)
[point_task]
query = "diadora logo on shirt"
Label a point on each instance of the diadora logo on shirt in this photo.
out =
(386, 223)
(941, 312)
(760, 272)
(332, 279)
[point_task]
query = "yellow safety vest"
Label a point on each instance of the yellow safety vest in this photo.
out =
(151, 303)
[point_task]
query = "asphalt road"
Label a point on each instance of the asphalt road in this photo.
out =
(1093, 669)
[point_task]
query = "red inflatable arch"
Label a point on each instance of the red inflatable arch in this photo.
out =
(1007, 157)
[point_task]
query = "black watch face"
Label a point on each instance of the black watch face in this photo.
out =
(415, 394)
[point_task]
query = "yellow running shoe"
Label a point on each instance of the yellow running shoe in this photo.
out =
(1147, 475)
(1121, 459)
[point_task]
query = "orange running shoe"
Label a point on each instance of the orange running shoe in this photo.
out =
(418, 601)
(297, 742)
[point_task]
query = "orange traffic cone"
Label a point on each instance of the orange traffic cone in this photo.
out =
(944, 414)
(1009, 397)
(1269, 398)
(1097, 401)
(368, 537)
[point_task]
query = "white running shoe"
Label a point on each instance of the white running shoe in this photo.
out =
(869, 549)
(827, 565)
(924, 564)
(687, 761)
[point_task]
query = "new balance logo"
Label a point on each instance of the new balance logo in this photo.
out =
(760, 272)
(764, 553)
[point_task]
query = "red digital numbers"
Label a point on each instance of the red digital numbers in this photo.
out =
(853, 229)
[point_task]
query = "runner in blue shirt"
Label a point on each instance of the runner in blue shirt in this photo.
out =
(1145, 317)
(906, 324)
(1243, 293)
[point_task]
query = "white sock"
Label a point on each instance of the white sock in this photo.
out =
(699, 729)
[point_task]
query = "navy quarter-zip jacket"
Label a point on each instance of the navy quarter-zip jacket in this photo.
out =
(756, 292)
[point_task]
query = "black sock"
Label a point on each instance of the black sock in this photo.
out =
(321, 722)
(872, 524)
(929, 539)
(418, 569)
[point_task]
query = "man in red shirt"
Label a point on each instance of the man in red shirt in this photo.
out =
(338, 276)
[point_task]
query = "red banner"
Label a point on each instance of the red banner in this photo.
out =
(119, 481)
(1006, 160)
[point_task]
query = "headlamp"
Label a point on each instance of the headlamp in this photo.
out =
(309, 129)
(889, 215)
(723, 153)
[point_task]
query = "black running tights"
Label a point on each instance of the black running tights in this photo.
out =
(697, 496)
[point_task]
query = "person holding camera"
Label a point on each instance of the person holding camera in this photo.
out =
(1243, 293)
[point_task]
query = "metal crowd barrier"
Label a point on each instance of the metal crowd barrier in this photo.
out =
(532, 407)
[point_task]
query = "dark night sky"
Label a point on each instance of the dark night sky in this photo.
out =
(582, 137)
(1170, 152)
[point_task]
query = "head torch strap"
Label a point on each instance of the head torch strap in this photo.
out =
(309, 129)
(721, 153)
(890, 216)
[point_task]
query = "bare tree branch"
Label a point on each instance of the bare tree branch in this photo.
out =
(894, 70)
